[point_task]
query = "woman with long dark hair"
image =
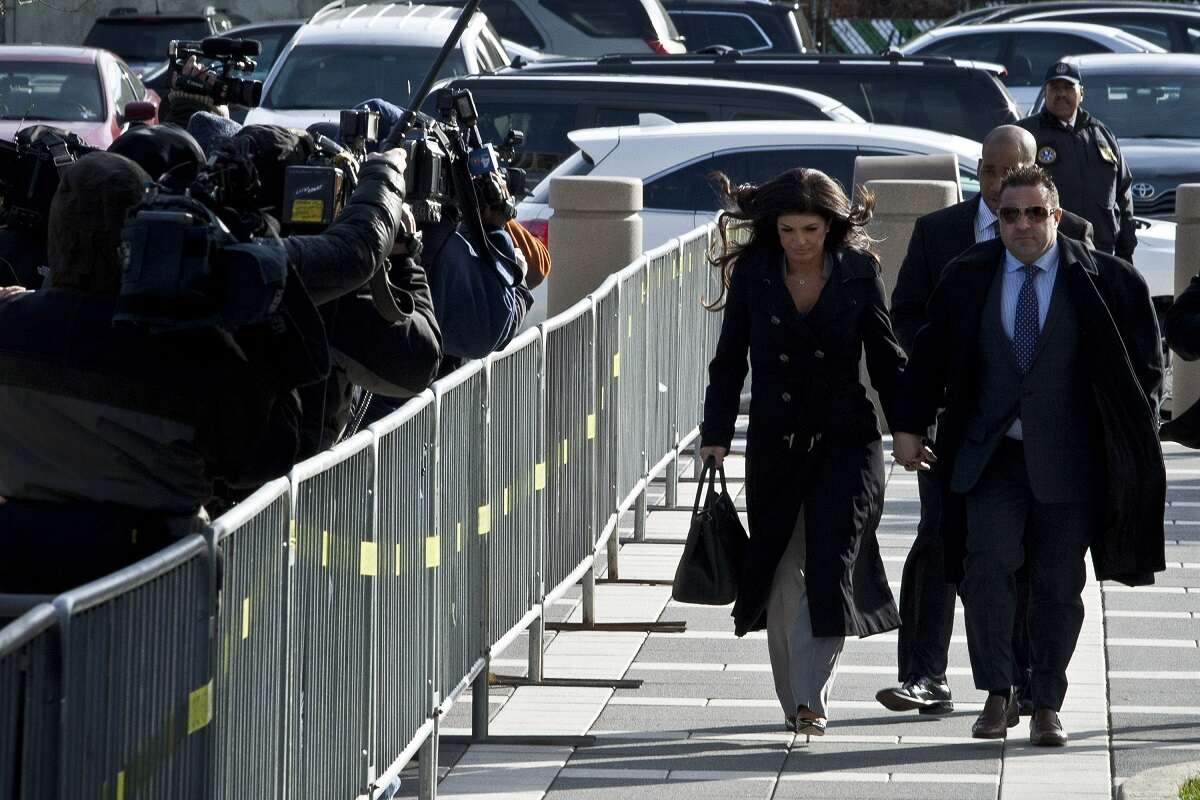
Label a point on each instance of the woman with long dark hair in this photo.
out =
(802, 296)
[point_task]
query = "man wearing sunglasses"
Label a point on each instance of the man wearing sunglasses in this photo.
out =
(926, 597)
(1047, 359)
(1083, 157)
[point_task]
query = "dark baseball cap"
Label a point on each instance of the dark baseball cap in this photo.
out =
(1063, 70)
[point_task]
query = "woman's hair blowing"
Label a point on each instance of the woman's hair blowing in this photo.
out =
(751, 212)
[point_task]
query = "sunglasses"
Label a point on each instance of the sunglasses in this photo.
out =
(1011, 214)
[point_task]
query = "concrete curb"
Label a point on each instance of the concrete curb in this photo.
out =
(1161, 783)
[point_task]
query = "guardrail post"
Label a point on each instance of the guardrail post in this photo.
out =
(589, 594)
(480, 708)
(613, 573)
(537, 631)
(639, 516)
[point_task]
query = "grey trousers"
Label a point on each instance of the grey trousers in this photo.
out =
(803, 665)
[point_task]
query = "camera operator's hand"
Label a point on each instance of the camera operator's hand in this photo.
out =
(11, 291)
(493, 217)
(404, 245)
(395, 157)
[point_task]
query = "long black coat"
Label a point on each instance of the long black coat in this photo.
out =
(813, 439)
(1124, 356)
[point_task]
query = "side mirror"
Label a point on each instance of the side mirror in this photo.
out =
(140, 111)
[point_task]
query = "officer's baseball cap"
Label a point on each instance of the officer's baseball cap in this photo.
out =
(1064, 71)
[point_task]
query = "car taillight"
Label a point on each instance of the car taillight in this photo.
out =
(657, 46)
(538, 227)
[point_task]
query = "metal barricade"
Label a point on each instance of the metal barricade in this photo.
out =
(629, 371)
(30, 681)
(570, 437)
(606, 312)
(137, 679)
(250, 549)
(307, 646)
(407, 585)
(462, 464)
(514, 423)
(333, 564)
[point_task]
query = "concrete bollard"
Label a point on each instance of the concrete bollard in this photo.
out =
(898, 204)
(596, 230)
(1185, 376)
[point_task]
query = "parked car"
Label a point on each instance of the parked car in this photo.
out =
(80, 89)
(1011, 11)
(546, 107)
(674, 162)
(1174, 29)
(749, 26)
(1026, 49)
(584, 27)
(1152, 104)
(963, 98)
(141, 40)
(345, 55)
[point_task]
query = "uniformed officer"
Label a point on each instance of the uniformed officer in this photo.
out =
(1083, 158)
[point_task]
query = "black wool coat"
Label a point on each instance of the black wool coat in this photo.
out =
(813, 440)
(1124, 354)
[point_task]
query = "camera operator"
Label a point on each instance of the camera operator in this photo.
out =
(111, 436)
(394, 358)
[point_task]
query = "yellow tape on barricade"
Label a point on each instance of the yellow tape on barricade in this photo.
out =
(200, 708)
(485, 518)
(368, 559)
(539, 476)
(433, 552)
(245, 618)
(506, 505)
(566, 449)
(591, 422)
(398, 560)
(324, 549)
(616, 369)
(458, 537)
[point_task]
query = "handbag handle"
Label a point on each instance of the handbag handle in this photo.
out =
(710, 469)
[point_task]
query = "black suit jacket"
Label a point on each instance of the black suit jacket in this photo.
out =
(937, 239)
(1124, 362)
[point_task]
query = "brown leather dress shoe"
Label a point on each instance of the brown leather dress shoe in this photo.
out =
(997, 717)
(1046, 730)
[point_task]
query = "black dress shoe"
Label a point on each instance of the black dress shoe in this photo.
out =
(998, 715)
(1046, 730)
(927, 695)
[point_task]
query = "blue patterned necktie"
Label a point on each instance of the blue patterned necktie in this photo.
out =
(1026, 326)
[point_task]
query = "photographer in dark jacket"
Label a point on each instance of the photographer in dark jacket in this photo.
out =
(111, 437)
(394, 358)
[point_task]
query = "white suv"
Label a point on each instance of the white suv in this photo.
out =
(589, 28)
(347, 54)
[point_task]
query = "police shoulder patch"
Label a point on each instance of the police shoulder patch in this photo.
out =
(1047, 155)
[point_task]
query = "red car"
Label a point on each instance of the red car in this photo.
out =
(80, 89)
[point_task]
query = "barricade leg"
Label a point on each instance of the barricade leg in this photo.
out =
(672, 483)
(537, 646)
(589, 595)
(480, 707)
(639, 517)
(614, 549)
(427, 774)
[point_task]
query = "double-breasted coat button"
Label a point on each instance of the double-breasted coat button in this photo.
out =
(783, 358)
(774, 320)
(819, 354)
(787, 397)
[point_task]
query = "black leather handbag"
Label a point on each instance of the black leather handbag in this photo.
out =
(716, 544)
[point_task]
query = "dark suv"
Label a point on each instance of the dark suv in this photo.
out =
(750, 26)
(936, 93)
(141, 39)
(546, 107)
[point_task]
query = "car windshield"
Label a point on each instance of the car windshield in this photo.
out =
(143, 39)
(342, 76)
(45, 90)
(1151, 105)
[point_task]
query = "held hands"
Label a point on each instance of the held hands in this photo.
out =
(909, 451)
(715, 452)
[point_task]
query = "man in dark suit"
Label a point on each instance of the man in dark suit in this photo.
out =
(1047, 360)
(926, 598)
